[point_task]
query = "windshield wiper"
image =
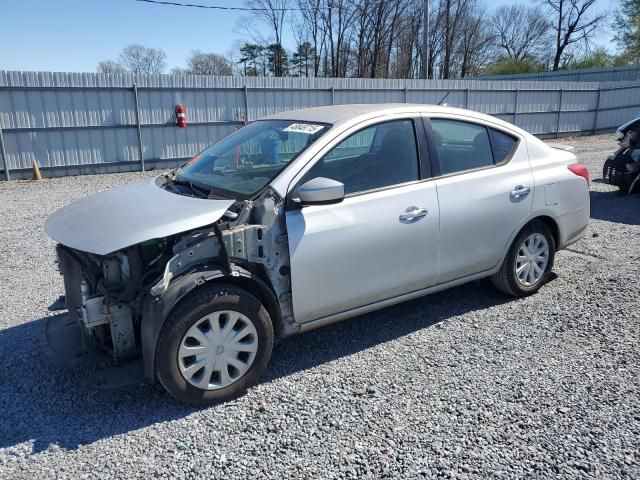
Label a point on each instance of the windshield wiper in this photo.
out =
(201, 191)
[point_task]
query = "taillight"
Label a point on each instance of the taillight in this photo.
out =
(579, 170)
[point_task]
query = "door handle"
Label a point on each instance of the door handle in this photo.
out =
(413, 214)
(519, 192)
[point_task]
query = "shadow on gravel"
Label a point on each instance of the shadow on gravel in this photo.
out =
(614, 207)
(41, 403)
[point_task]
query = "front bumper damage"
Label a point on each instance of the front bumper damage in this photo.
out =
(63, 341)
(116, 304)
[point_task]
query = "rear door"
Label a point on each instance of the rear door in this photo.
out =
(382, 240)
(485, 190)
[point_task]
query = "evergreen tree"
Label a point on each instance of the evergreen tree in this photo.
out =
(277, 60)
(253, 60)
(303, 60)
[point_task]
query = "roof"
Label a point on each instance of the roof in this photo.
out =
(336, 114)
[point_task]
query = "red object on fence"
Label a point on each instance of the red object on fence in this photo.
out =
(181, 116)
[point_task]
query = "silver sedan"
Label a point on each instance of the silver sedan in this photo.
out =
(305, 218)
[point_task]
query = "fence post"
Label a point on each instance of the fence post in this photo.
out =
(559, 112)
(333, 95)
(5, 162)
(466, 97)
(140, 151)
(515, 108)
(595, 120)
(405, 94)
(246, 103)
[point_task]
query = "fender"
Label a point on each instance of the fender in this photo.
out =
(156, 309)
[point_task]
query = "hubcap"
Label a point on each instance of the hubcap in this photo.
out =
(218, 350)
(532, 259)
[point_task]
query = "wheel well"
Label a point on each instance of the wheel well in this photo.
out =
(553, 226)
(262, 292)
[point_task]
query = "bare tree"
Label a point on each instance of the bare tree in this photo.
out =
(109, 66)
(475, 43)
(407, 55)
(521, 32)
(363, 35)
(367, 38)
(310, 13)
(273, 13)
(139, 59)
(574, 21)
(453, 11)
(436, 40)
(200, 63)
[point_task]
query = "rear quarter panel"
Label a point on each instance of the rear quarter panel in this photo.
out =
(558, 192)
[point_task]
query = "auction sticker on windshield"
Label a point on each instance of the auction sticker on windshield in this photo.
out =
(309, 128)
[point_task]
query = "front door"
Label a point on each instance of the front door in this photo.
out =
(381, 241)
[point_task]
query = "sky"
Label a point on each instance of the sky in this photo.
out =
(74, 35)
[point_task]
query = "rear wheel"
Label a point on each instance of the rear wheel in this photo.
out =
(214, 345)
(529, 261)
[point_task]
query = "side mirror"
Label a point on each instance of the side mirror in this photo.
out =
(320, 191)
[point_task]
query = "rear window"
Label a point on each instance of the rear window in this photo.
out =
(502, 145)
(465, 145)
(461, 145)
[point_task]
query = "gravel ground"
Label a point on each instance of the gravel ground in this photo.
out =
(462, 384)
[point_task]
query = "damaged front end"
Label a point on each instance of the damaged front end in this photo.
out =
(118, 303)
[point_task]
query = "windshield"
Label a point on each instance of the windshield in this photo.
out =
(244, 162)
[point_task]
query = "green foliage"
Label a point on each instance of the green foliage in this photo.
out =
(627, 27)
(302, 60)
(509, 66)
(253, 59)
(598, 58)
(277, 60)
(258, 60)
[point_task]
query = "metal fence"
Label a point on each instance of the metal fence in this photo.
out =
(92, 123)
(609, 74)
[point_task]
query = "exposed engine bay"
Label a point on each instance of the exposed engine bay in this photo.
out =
(120, 299)
(622, 168)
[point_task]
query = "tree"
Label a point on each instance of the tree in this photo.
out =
(573, 21)
(303, 60)
(406, 53)
(309, 28)
(109, 66)
(200, 63)
(273, 13)
(510, 66)
(277, 60)
(474, 43)
(453, 14)
(253, 59)
(521, 32)
(336, 18)
(179, 71)
(139, 59)
(627, 26)
(598, 58)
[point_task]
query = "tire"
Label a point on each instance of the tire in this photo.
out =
(507, 280)
(199, 312)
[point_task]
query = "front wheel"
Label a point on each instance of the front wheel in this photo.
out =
(529, 261)
(214, 345)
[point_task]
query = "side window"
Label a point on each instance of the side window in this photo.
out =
(461, 145)
(502, 144)
(357, 144)
(378, 156)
